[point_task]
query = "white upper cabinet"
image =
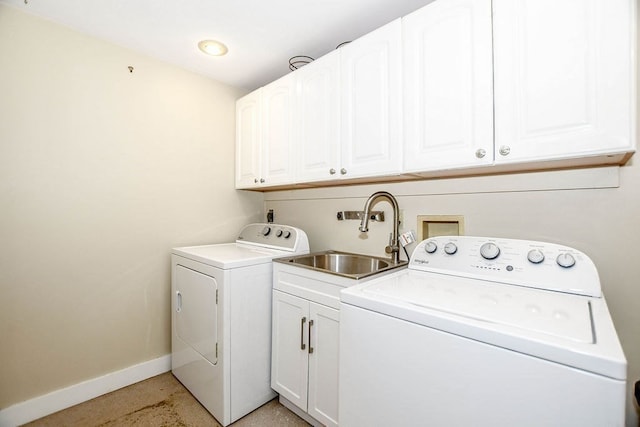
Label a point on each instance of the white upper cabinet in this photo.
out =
(481, 85)
(248, 136)
(448, 93)
(371, 107)
(264, 135)
(564, 78)
(277, 131)
(318, 119)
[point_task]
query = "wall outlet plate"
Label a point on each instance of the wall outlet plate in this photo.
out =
(407, 238)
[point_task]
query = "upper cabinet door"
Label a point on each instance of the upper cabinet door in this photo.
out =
(277, 131)
(371, 103)
(563, 78)
(248, 135)
(318, 119)
(448, 86)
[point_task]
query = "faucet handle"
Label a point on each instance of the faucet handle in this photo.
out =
(393, 246)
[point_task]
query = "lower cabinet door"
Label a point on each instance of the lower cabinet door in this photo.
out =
(290, 340)
(324, 333)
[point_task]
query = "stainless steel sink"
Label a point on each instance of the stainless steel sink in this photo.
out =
(354, 266)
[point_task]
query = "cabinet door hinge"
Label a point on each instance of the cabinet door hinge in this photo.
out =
(216, 350)
(216, 297)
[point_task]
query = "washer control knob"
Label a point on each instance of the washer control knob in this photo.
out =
(489, 250)
(450, 248)
(430, 247)
(279, 233)
(535, 256)
(566, 260)
(287, 234)
(266, 230)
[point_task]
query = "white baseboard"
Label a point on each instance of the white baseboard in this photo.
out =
(55, 401)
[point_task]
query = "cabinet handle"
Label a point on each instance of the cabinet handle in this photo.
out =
(332, 171)
(505, 150)
(262, 180)
(302, 322)
(480, 153)
(255, 180)
(310, 325)
(343, 171)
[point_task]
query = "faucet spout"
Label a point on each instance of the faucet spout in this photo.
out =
(394, 244)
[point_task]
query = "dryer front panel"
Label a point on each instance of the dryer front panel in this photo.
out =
(196, 311)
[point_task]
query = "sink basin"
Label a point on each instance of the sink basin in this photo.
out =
(354, 266)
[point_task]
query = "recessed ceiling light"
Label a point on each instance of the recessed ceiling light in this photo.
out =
(212, 47)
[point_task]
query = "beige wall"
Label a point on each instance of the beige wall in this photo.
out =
(102, 171)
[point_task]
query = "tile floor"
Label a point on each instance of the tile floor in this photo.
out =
(159, 401)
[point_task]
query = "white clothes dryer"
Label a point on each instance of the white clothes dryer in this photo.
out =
(482, 332)
(221, 317)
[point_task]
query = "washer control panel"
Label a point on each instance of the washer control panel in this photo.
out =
(274, 236)
(517, 262)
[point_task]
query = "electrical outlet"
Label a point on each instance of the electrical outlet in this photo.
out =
(407, 238)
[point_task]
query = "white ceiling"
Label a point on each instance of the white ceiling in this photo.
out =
(261, 34)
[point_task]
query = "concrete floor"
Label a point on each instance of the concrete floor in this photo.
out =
(159, 401)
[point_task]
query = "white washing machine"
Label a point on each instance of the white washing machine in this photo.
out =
(221, 317)
(482, 332)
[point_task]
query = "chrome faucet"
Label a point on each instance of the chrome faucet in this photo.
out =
(394, 245)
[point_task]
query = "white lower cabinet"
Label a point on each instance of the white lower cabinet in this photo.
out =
(304, 362)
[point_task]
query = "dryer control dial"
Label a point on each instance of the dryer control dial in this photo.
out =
(287, 234)
(489, 250)
(566, 260)
(266, 230)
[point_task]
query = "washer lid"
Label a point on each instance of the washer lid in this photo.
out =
(229, 255)
(573, 330)
(552, 313)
